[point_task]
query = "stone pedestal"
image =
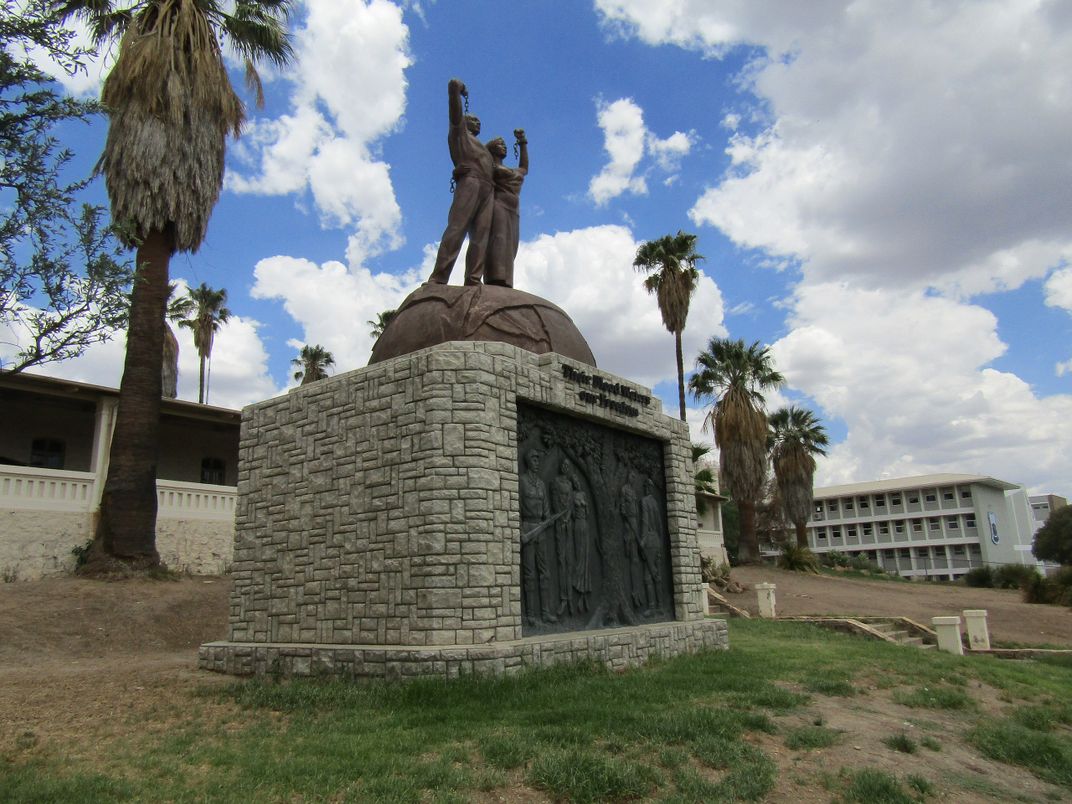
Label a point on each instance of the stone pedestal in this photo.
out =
(948, 632)
(978, 633)
(765, 600)
(378, 525)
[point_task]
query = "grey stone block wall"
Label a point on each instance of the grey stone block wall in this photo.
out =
(380, 507)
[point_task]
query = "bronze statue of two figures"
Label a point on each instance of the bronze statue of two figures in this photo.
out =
(486, 199)
(594, 546)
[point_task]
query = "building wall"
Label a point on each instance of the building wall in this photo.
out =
(46, 514)
(37, 416)
(931, 531)
(184, 443)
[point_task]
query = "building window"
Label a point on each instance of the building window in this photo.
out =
(213, 470)
(864, 503)
(884, 529)
(936, 524)
(851, 533)
(880, 501)
(820, 534)
(895, 499)
(952, 523)
(931, 498)
(913, 499)
(899, 527)
(917, 526)
(818, 508)
(867, 530)
(848, 505)
(947, 495)
(969, 522)
(966, 494)
(47, 453)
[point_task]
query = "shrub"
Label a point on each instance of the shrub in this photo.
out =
(1056, 588)
(860, 563)
(835, 559)
(1013, 576)
(797, 559)
(979, 577)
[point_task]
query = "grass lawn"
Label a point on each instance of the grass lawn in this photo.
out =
(747, 724)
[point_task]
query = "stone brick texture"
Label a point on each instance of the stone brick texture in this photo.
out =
(378, 510)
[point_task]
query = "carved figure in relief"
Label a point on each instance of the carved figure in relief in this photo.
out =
(582, 574)
(536, 518)
(562, 505)
(634, 572)
(472, 206)
(650, 544)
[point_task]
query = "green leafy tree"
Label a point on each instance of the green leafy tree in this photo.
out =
(313, 363)
(1053, 541)
(796, 437)
(171, 106)
(381, 322)
(731, 377)
(178, 308)
(206, 317)
(63, 283)
(670, 263)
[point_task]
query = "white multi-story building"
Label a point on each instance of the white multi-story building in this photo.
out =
(933, 527)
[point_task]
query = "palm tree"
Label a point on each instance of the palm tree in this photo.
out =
(209, 315)
(732, 377)
(673, 258)
(171, 106)
(312, 363)
(796, 437)
(381, 322)
(703, 476)
(177, 310)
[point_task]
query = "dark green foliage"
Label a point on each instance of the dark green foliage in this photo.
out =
(935, 698)
(1013, 576)
(731, 529)
(63, 284)
(1056, 588)
(869, 786)
(1053, 542)
(808, 737)
(797, 559)
(979, 577)
(834, 558)
(901, 742)
(1047, 755)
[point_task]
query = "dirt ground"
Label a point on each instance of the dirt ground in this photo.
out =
(1009, 619)
(83, 663)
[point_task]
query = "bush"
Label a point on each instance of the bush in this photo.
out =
(1013, 576)
(1055, 589)
(860, 564)
(979, 577)
(835, 559)
(710, 572)
(797, 559)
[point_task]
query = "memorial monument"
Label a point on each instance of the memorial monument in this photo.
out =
(479, 498)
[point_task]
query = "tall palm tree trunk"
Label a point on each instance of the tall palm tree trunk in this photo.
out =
(201, 383)
(748, 546)
(802, 533)
(680, 374)
(127, 523)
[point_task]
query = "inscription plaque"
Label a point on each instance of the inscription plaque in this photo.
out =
(595, 550)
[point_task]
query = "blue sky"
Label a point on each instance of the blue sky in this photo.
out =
(882, 192)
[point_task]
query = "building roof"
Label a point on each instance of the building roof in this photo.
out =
(915, 482)
(54, 386)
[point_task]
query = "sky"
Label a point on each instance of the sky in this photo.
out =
(882, 193)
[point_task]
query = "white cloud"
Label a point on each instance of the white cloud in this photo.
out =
(909, 374)
(349, 91)
(903, 162)
(1058, 289)
(332, 304)
(626, 140)
(589, 274)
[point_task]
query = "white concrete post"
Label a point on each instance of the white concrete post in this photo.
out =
(978, 633)
(765, 594)
(948, 631)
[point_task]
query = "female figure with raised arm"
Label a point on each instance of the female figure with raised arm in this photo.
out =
(505, 219)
